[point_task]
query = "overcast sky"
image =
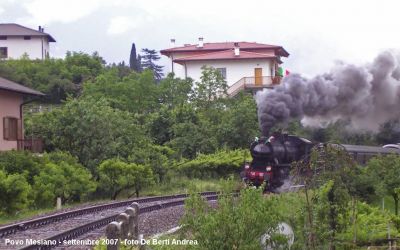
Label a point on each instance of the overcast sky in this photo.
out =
(315, 33)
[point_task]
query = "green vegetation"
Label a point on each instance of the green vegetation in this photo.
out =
(56, 77)
(116, 176)
(29, 181)
(219, 164)
(331, 212)
(120, 131)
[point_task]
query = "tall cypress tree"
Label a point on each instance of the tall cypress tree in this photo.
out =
(134, 64)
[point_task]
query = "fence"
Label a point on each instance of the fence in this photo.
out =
(35, 145)
(125, 228)
(253, 84)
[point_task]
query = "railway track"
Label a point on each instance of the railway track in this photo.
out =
(69, 225)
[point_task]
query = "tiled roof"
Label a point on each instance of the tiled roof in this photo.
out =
(225, 55)
(15, 87)
(224, 46)
(13, 29)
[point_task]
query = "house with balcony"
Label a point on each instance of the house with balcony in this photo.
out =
(246, 66)
(13, 97)
(17, 40)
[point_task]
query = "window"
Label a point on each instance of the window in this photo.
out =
(27, 38)
(223, 72)
(12, 128)
(3, 52)
(3, 37)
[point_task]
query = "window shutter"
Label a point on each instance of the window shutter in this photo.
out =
(6, 128)
(10, 128)
(20, 134)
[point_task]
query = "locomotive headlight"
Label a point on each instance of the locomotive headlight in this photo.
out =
(269, 168)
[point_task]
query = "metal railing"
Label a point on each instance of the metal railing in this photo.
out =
(35, 145)
(253, 83)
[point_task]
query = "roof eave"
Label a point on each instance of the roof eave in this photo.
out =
(36, 93)
(182, 61)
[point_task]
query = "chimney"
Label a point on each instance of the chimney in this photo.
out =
(201, 43)
(172, 42)
(237, 49)
(40, 28)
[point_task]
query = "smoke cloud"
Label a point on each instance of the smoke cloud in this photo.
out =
(367, 96)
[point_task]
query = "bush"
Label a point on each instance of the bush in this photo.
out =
(117, 176)
(237, 223)
(14, 190)
(30, 179)
(219, 164)
(21, 162)
(371, 226)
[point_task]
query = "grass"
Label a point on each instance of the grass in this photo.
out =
(5, 219)
(27, 214)
(183, 185)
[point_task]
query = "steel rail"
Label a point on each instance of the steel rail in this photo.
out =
(42, 221)
(80, 230)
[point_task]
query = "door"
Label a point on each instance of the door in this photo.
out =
(258, 80)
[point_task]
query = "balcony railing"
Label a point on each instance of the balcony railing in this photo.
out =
(34, 145)
(253, 84)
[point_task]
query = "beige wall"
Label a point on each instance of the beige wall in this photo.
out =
(17, 46)
(9, 106)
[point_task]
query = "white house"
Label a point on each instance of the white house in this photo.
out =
(16, 40)
(244, 65)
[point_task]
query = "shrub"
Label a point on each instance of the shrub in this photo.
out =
(117, 176)
(237, 223)
(14, 190)
(219, 164)
(21, 162)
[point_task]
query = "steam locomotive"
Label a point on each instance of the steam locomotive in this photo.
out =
(272, 157)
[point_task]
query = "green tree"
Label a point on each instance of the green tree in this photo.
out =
(69, 182)
(239, 123)
(175, 91)
(134, 62)
(117, 176)
(90, 130)
(159, 158)
(385, 170)
(148, 61)
(136, 93)
(21, 162)
(191, 134)
(329, 172)
(211, 87)
(58, 78)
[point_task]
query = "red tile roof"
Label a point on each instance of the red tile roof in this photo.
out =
(225, 46)
(13, 29)
(226, 55)
(15, 87)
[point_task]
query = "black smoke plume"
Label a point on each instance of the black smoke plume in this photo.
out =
(367, 96)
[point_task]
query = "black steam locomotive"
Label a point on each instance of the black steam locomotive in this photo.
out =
(272, 157)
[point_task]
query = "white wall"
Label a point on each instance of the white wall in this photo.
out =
(235, 69)
(17, 46)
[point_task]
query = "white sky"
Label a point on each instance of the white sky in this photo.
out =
(315, 33)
